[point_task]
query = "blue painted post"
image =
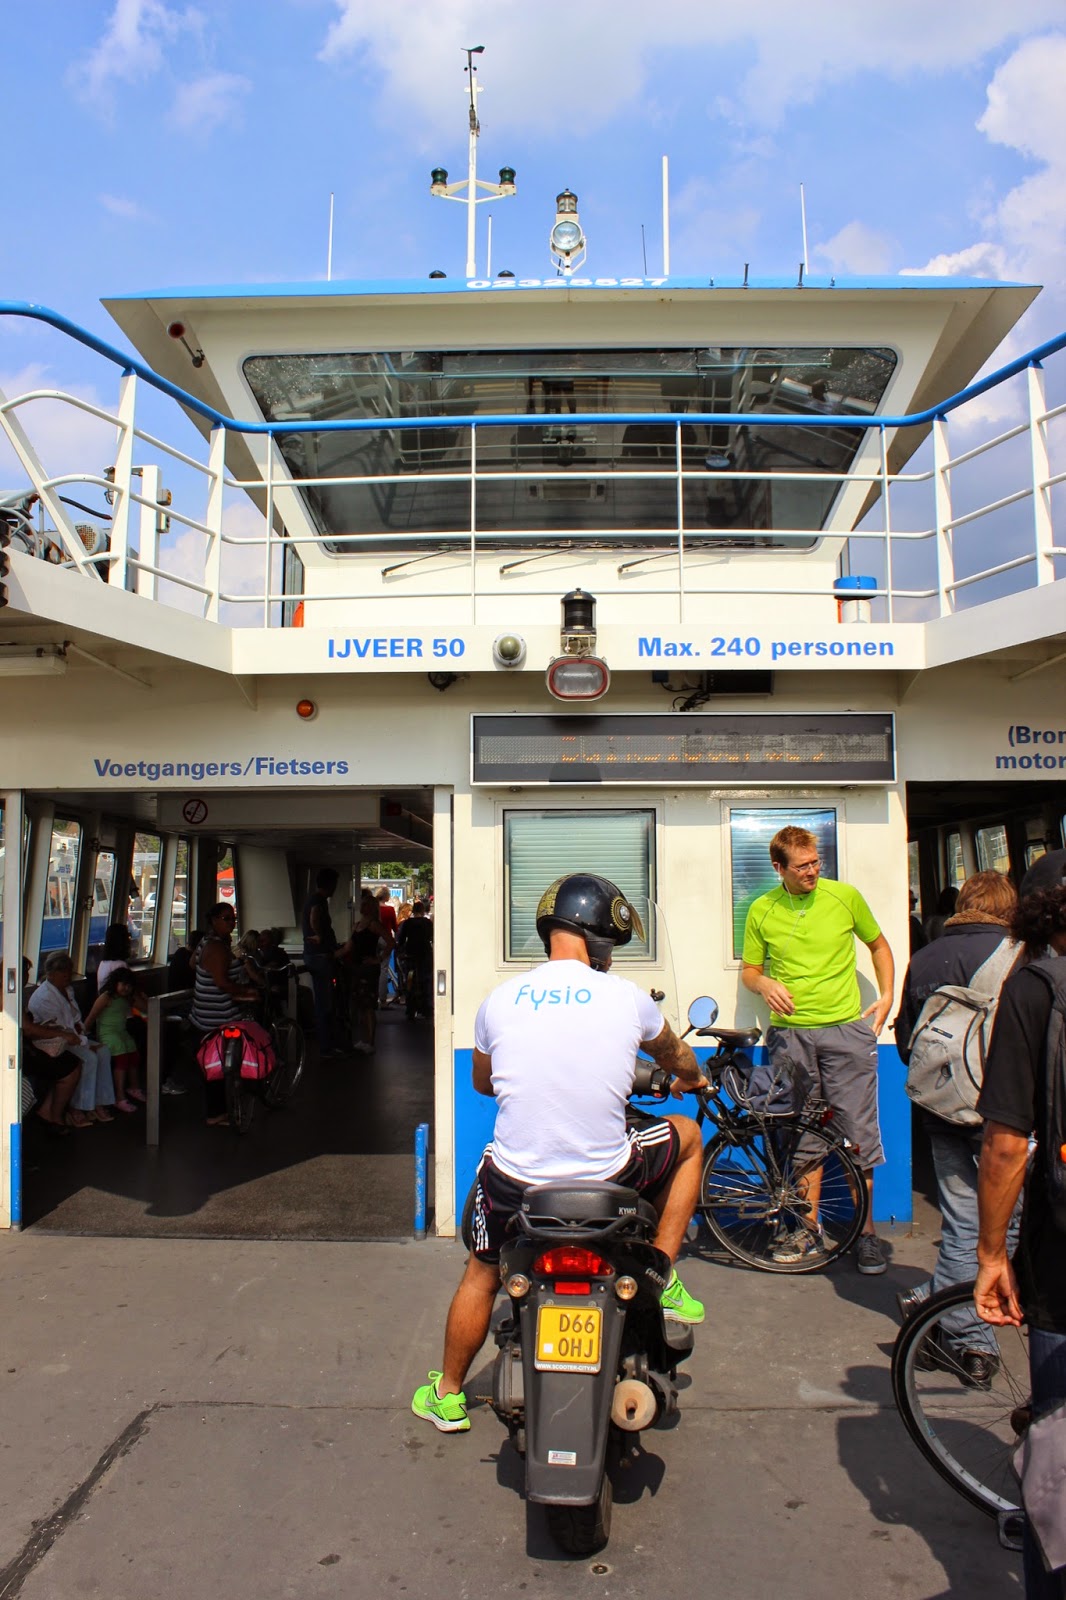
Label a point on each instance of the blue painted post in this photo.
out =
(421, 1159)
(16, 1175)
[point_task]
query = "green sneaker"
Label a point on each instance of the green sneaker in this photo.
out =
(678, 1304)
(446, 1411)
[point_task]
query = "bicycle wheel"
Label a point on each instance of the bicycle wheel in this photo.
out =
(290, 1049)
(966, 1433)
(240, 1103)
(754, 1191)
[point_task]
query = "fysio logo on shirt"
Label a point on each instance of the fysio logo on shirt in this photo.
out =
(552, 997)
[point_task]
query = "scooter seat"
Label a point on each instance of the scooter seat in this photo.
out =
(579, 1200)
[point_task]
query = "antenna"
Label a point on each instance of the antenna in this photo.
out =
(466, 190)
(666, 216)
(644, 249)
(329, 246)
(803, 229)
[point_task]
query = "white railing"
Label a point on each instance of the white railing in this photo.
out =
(939, 555)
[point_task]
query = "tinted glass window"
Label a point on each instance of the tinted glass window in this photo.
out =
(570, 466)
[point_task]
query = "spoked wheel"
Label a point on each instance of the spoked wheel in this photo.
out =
(966, 1431)
(290, 1049)
(582, 1530)
(240, 1102)
(754, 1193)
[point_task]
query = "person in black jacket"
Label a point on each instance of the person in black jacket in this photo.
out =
(980, 924)
(1031, 1285)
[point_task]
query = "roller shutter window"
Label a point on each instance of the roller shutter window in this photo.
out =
(751, 874)
(540, 846)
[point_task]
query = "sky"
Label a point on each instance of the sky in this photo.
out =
(168, 143)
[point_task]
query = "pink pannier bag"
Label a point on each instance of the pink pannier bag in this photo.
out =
(257, 1062)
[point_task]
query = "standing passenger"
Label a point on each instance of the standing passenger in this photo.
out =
(981, 923)
(1016, 1104)
(387, 918)
(804, 931)
(320, 951)
(222, 993)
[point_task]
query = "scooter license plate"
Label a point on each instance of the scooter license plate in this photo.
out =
(568, 1338)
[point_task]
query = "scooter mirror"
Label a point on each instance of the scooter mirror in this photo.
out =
(702, 1012)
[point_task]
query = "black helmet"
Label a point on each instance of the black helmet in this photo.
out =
(591, 906)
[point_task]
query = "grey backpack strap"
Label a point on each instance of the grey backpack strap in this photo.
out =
(994, 971)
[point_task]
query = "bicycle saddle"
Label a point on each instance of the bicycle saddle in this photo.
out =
(746, 1037)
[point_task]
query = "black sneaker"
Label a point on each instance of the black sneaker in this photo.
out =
(871, 1257)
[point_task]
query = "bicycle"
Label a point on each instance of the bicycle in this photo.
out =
(760, 1161)
(966, 1431)
(289, 1047)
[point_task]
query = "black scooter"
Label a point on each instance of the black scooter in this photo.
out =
(586, 1357)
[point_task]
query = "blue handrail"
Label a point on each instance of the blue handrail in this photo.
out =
(130, 364)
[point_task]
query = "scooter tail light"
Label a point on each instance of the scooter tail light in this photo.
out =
(231, 1033)
(572, 1261)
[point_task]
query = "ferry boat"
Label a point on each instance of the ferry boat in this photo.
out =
(517, 575)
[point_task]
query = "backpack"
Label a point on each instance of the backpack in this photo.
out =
(770, 1089)
(950, 1041)
(257, 1062)
(1053, 1134)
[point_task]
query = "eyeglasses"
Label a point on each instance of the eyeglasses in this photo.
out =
(805, 866)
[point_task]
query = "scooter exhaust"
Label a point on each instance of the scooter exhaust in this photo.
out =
(634, 1405)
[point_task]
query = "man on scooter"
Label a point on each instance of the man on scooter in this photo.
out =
(557, 1048)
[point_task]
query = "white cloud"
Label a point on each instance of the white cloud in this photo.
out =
(1026, 108)
(205, 103)
(131, 48)
(984, 260)
(119, 206)
(1025, 232)
(855, 248)
(65, 438)
(610, 50)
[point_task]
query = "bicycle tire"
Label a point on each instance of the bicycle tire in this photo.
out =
(240, 1103)
(290, 1049)
(967, 1434)
(751, 1191)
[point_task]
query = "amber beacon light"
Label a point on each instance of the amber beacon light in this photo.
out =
(306, 710)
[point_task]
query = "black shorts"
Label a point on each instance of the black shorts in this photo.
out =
(44, 1069)
(653, 1152)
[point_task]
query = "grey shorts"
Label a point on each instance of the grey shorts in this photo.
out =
(841, 1064)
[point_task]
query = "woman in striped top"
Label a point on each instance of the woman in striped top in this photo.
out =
(222, 992)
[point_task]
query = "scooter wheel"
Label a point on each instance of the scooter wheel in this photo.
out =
(582, 1530)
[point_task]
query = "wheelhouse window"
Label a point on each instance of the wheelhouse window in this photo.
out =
(540, 846)
(571, 483)
(751, 873)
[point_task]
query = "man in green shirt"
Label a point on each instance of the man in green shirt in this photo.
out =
(799, 956)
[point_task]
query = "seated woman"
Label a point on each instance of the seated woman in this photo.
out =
(53, 1001)
(52, 1069)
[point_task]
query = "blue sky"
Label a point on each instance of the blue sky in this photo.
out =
(169, 143)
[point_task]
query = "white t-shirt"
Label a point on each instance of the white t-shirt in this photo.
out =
(563, 1041)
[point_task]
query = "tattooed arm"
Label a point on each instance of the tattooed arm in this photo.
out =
(672, 1053)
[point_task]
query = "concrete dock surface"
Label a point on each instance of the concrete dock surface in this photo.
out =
(196, 1418)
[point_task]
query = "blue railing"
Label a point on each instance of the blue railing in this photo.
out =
(218, 419)
(922, 569)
